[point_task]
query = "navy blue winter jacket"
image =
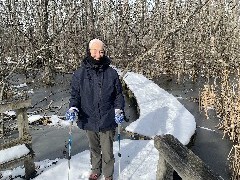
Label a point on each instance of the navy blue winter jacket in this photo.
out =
(96, 92)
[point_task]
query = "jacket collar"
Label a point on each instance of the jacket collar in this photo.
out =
(90, 63)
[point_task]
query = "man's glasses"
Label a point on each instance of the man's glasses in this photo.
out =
(99, 51)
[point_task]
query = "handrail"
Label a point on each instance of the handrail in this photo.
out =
(174, 156)
(20, 107)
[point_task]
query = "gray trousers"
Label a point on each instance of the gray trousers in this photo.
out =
(101, 152)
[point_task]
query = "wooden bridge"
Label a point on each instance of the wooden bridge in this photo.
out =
(24, 138)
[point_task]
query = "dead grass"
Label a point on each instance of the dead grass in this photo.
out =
(226, 102)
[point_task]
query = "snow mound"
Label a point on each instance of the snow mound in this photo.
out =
(160, 112)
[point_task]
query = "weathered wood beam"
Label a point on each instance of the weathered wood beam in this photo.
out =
(24, 137)
(22, 121)
(14, 105)
(17, 162)
(15, 142)
(1, 125)
(183, 160)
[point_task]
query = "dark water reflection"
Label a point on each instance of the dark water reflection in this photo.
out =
(208, 145)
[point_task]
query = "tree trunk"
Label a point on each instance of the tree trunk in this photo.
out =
(91, 19)
(48, 66)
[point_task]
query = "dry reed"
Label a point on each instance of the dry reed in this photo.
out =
(226, 102)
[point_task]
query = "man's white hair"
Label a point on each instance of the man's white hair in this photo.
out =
(93, 41)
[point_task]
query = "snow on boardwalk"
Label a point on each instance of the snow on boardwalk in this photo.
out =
(160, 112)
(138, 161)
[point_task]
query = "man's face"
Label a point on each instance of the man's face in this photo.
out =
(97, 51)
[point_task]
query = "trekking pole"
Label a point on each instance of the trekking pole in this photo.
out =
(119, 148)
(69, 148)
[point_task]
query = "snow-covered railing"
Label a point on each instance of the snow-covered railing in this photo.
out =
(22, 143)
(173, 155)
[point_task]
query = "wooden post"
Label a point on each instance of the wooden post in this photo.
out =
(29, 169)
(19, 115)
(1, 125)
(29, 165)
(23, 129)
(182, 160)
(22, 121)
(164, 170)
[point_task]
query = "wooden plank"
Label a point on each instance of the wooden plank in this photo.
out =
(16, 162)
(27, 159)
(24, 140)
(15, 105)
(183, 160)
(24, 137)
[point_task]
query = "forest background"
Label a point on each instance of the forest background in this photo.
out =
(187, 39)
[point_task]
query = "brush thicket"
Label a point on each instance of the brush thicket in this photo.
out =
(226, 102)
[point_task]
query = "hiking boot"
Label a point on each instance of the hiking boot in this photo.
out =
(109, 178)
(94, 176)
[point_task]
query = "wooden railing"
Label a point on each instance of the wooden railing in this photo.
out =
(20, 107)
(174, 156)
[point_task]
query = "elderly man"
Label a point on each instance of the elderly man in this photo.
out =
(97, 99)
